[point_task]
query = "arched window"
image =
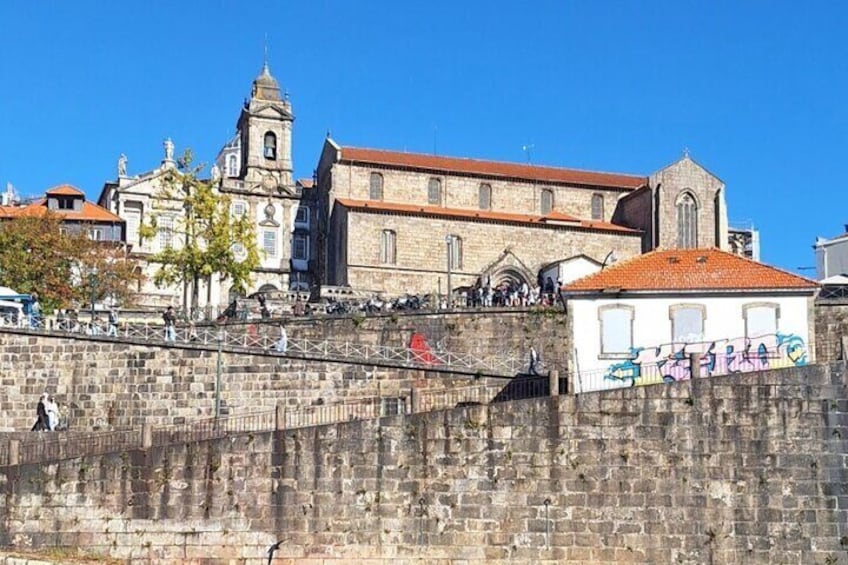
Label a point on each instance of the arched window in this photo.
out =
(270, 145)
(455, 252)
(687, 221)
(485, 197)
(547, 201)
(376, 192)
(597, 206)
(434, 192)
(232, 166)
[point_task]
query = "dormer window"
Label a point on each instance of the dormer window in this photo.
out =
(232, 166)
(66, 203)
(270, 145)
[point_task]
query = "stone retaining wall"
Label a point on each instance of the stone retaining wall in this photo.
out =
(743, 469)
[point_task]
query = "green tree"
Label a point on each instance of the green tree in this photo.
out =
(207, 239)
(38, 255)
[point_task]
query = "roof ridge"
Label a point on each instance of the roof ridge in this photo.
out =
(495, 161)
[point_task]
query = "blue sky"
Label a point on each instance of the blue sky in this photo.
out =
(755, 90)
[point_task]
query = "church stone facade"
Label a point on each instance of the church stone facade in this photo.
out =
(255, 170)
(400, 222)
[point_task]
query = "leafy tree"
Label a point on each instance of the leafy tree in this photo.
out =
(37, 255)
(207, 239)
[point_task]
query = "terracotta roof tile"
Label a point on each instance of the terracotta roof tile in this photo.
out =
(491, 168)
(65, 190)
(306, 183)
(89, 213)
(689, 269)
(554, 218)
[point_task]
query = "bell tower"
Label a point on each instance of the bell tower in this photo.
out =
(265, 128)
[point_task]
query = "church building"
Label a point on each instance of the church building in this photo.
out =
(399, 222)
(255, 170)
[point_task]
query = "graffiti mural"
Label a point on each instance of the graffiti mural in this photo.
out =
(671, 362)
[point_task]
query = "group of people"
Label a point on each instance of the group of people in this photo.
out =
(512, 293)
(47, 415)
(69, 320)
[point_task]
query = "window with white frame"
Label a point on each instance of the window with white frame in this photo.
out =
(616, 329)
(269, 243)
(239, 252)
(455, 251)
(761, 318)
(388, 247)
(232, 166)
(300, 246)
(238, 208)
(687, 323)
(132, 215)
(165, 231)
(95, 234)
(376, 187)
(434, 192)
(546, 201)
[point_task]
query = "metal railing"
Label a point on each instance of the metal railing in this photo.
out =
(54, 446)
(250, 337)
(213, 428)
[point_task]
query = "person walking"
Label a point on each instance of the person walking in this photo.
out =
(113, 323)
(52, 410)
(534, 363)
(170, 322)
(282, 344)
(41, 421)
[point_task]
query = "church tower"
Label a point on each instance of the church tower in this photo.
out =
(265, 130)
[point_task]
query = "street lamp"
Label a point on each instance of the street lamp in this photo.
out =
(449, 244)
(92, 283)
(610, 258)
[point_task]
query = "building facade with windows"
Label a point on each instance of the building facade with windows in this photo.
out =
(254, 169)
(76, 213)
(644, 317)
(395, 222)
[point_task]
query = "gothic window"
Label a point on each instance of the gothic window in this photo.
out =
(485, 197)
(232, 166)
(269, 243)
(616, 329)
(388, 247)
(687, 222)
(455, 252)
(376, 192)
(434, 192)
(547, 201)
(300, 246)
(270, 145)
(760, 319)
(687, 323)
(597, 206)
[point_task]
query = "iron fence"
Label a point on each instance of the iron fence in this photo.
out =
(55, 446)
(212, 428)
(355, 409)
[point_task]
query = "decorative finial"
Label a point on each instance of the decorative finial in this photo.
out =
(265, 59)
(329, 133)
(685, 152)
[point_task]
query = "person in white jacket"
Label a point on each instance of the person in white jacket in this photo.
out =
(52, 414)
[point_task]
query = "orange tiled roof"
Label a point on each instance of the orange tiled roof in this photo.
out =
(554, 218)
(689, 269)
(491, 168)
(65, 190)
(89, 213)
(306, 183)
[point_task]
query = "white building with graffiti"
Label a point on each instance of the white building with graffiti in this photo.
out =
(648, 319)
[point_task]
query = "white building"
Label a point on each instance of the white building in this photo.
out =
(254, 169)
(640, 320)
(831, 256)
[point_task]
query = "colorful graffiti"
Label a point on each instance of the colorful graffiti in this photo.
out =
(671, 362)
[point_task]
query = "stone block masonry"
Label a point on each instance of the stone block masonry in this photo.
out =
(742, 469)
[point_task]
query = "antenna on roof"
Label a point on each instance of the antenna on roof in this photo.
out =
(527, 149)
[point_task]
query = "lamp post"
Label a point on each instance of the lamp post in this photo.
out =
(218, 376)
(449, 244)
(610, 258)
(92, 283)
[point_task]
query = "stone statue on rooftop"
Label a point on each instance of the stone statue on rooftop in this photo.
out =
(122, 165)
